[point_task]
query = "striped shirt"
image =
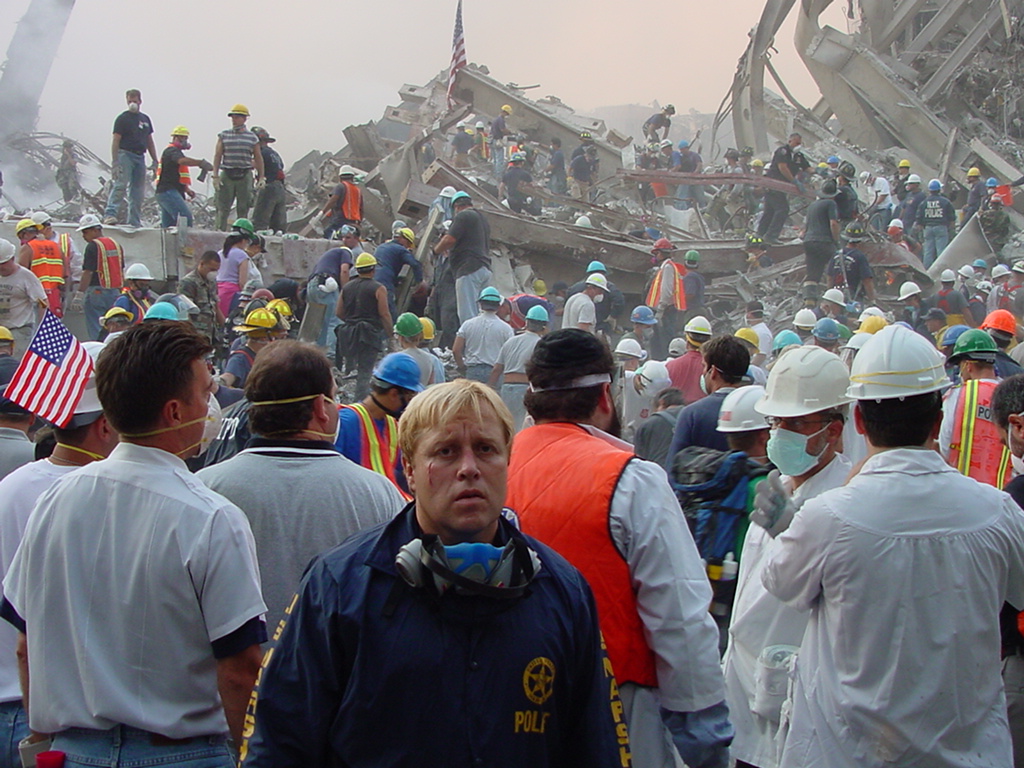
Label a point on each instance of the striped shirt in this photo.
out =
(238, 146)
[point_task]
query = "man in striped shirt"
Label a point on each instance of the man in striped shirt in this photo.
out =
(236, 156)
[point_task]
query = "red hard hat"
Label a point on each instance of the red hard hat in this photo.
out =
(663, 245)
(1000, 320)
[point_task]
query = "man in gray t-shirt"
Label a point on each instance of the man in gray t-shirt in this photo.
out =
(302, 497)
(821, 234)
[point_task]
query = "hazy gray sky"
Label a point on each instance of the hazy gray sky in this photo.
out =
(308, 69)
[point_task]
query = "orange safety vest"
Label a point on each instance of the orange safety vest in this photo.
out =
(678, 293)
(184, 177)
(64, 245)
(378, 450)
(109, 263)
(47, 263)
(560, 482)
(352, 208)
(976, 449)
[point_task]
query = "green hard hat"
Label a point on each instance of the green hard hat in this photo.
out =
(844, 332)
(692, 257)
(974, 344)
(244, 225)
(408, 325)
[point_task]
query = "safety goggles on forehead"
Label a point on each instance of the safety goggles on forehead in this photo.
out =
(348, 229)
(797, 424)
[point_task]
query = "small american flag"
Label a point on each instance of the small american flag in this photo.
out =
(458, 55)
(52, 374)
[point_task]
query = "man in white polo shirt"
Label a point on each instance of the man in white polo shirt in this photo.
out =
(136, 589)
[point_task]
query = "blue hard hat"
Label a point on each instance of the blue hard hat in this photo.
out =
(826, 329)
(784, 339)
(162, 310)
(538, 313)
(490, 294)
(399, 370)
(460, 196)
(683, 144)
(992, 182)
(596, 266)
(643, 315)
(832, 159)
(934, 185)
(952, 334)
(980, 264)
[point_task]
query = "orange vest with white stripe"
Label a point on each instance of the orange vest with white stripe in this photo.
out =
(976, 449)
(184, 177)
(561, 480)
(678, 292)
(378, 451)
(109, 263)
(47, 263)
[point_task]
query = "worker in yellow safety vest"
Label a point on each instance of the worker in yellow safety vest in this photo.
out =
(969, 439)
(368, 431)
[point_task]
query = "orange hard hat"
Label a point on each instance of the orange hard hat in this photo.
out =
(663, 244)
(1000, 320)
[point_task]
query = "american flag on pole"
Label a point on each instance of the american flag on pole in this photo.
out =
(52, 375)
(458, 54)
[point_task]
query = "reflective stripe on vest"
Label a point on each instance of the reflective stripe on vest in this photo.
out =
(64, 245)
(678, 292)
(374, 445)
(976, 449)
(184, 177)
(109, 263)
(561, 480)
(47, 264)
(138, 306)
(351, 209)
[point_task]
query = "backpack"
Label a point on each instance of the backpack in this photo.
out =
(712, 487)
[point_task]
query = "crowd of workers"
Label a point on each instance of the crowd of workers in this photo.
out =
(583, 533)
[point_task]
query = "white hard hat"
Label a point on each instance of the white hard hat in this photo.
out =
(805, 319)
(856, 341)
(913, 179)
(896, 362)
(870, 312)
(738, 414)
(699, 325)
(90, 401)
(908, 289)
(584, 221)
(7, 251)
(805, 380)
(999, 270)
(835, 296)
(948, 276)
(137, 272)
(651, 378)
(983, 286)
(1018, 267)
(448, 192)
(88, 221)
(630, 347)
(865, 175)
(898, 223)
(41, 217)
(347, 170)
(966, 270)
(596, 278)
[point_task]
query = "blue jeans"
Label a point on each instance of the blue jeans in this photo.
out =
(331, 321)
(13, 728)
(97, 302)
(132, 178)
(479, 372)
(467, 291)
(123, 746)
(881, 217)
(512, 395)
(172, 205)
(703, 737)
(936, 238)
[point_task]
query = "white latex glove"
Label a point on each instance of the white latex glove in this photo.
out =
(330, 285)
(216, 182)
(773, 506)
(317, 220)
(261, 183)
(77, 302)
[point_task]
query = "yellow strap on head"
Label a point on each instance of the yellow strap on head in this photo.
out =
(168, 429)
(288, 400)
(76, 449)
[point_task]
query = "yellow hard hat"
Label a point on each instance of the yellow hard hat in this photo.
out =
(408, 234)
(749, 335)
(25, 224)
(239, 109)
(261, 319)
(872, 324)
(506, 108)
(429, 329)
(116, 312)
(540, 288)
(365, 260)
(281, 307)
(823, 165)
(5, 335)
(904, 163)
(973, 172)
(180, 130)
(757, 163)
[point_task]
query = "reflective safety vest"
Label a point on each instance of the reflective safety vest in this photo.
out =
(109, 263)
(561, 480)
(184, 177)
(378, 449)
(352, 207)
(64, 245)
(138, 306)
(678, 291)
(976, 449)
(47, 263)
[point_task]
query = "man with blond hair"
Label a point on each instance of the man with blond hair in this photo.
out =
(448, 605)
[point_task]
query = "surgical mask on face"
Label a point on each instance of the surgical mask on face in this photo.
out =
(214, 418)
(1015, 450)
(1018, 464)
(599, 298)
(703, 383)
(788, 451)
(133, 106)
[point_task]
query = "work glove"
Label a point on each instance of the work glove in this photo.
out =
(773, 506)
(216, 183)
(317, 220)
(206, 165)
(115, 171)
(330, 285)
(77, 303)
(261, 183)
